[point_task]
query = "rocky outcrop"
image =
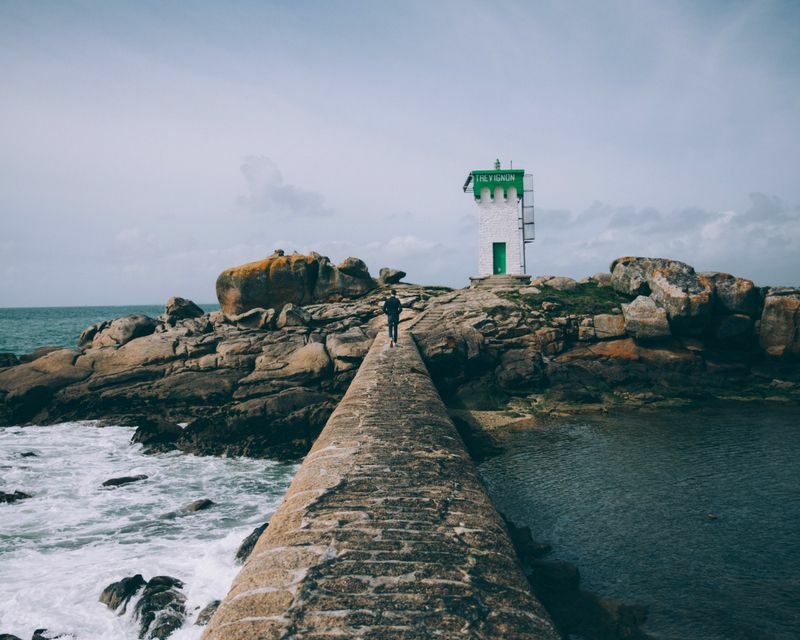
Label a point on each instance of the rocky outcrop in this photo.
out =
(686, 296)
(390, 276)
(182, 309)
(296, 279)
(779, 331)
(117, 595)
(123, 480)
(161, 609)
(14, 496)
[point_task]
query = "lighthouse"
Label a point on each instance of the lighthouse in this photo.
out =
(505, 221)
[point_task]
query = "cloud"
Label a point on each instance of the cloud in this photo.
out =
(761, 241)
(267, 192)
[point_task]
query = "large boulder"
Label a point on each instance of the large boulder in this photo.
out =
(687, 297)
(181, 309)
(734, 295)
(644, 319)
(296, 279)
(388, 275)
(123, 330)
(779, 332)
(161, 609)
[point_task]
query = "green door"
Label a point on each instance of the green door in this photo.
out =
(499, 257)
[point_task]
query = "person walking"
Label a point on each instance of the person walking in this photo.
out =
(392, 308)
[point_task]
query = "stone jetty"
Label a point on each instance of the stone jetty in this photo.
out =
(386, 531)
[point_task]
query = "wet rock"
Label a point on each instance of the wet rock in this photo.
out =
(198, 505)
(117, 595)
(123, 330)
(205, 614)
(645, 320)
(390, 276)
(779, 331)
(156, 435)
(123, 480)
(161, 609)
(292, 316)
(246, 548)
(181, 309)
(46, 634)
(8, 636)
(15, 496)
(8, 360)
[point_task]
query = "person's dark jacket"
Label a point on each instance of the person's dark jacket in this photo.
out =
(392, 307)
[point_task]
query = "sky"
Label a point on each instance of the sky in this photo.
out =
(146, 146)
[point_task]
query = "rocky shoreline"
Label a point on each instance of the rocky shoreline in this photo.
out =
(262, 381)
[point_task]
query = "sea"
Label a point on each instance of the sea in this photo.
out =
(694, 514)
(24, 329)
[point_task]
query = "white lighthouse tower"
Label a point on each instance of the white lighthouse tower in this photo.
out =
(505, 222)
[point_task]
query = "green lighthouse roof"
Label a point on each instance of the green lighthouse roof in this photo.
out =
(493, 178)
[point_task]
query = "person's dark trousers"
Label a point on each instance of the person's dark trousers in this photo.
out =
(393, 322)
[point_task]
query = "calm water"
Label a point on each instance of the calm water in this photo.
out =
(628, 500)
(24, 329)
(62, 547)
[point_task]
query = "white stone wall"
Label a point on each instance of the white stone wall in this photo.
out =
(498, 221)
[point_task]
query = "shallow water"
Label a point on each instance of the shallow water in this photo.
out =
(696, 515)
(61, 548)
(24, 329)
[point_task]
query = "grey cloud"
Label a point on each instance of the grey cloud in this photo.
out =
(267, 192)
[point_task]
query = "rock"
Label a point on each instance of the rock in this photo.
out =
(257, 318)
(779, 331)
(734, 295)
(687, 297)
(198, 505)
(354, 267)
(8, 636)
(181, 309)
(561, 283)
(123, 330)
(644, 320)
(156, 435)
(205, 614)
(118, 482)
(161, 609)
(608, 325)
(602, 279)
(519, 369)
(88, 334)
(292, 316)
(390, 276)
(348, 348)
(529, 291)
(296, 279)
(8, 498)
(309, 362)
(246, 548)
(734, 327)
(117, 595)
(39, 353)
(8, 360)
(46, 634)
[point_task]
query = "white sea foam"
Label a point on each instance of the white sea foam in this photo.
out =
(61, 548)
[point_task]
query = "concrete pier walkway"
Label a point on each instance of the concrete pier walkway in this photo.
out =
(386, 531)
